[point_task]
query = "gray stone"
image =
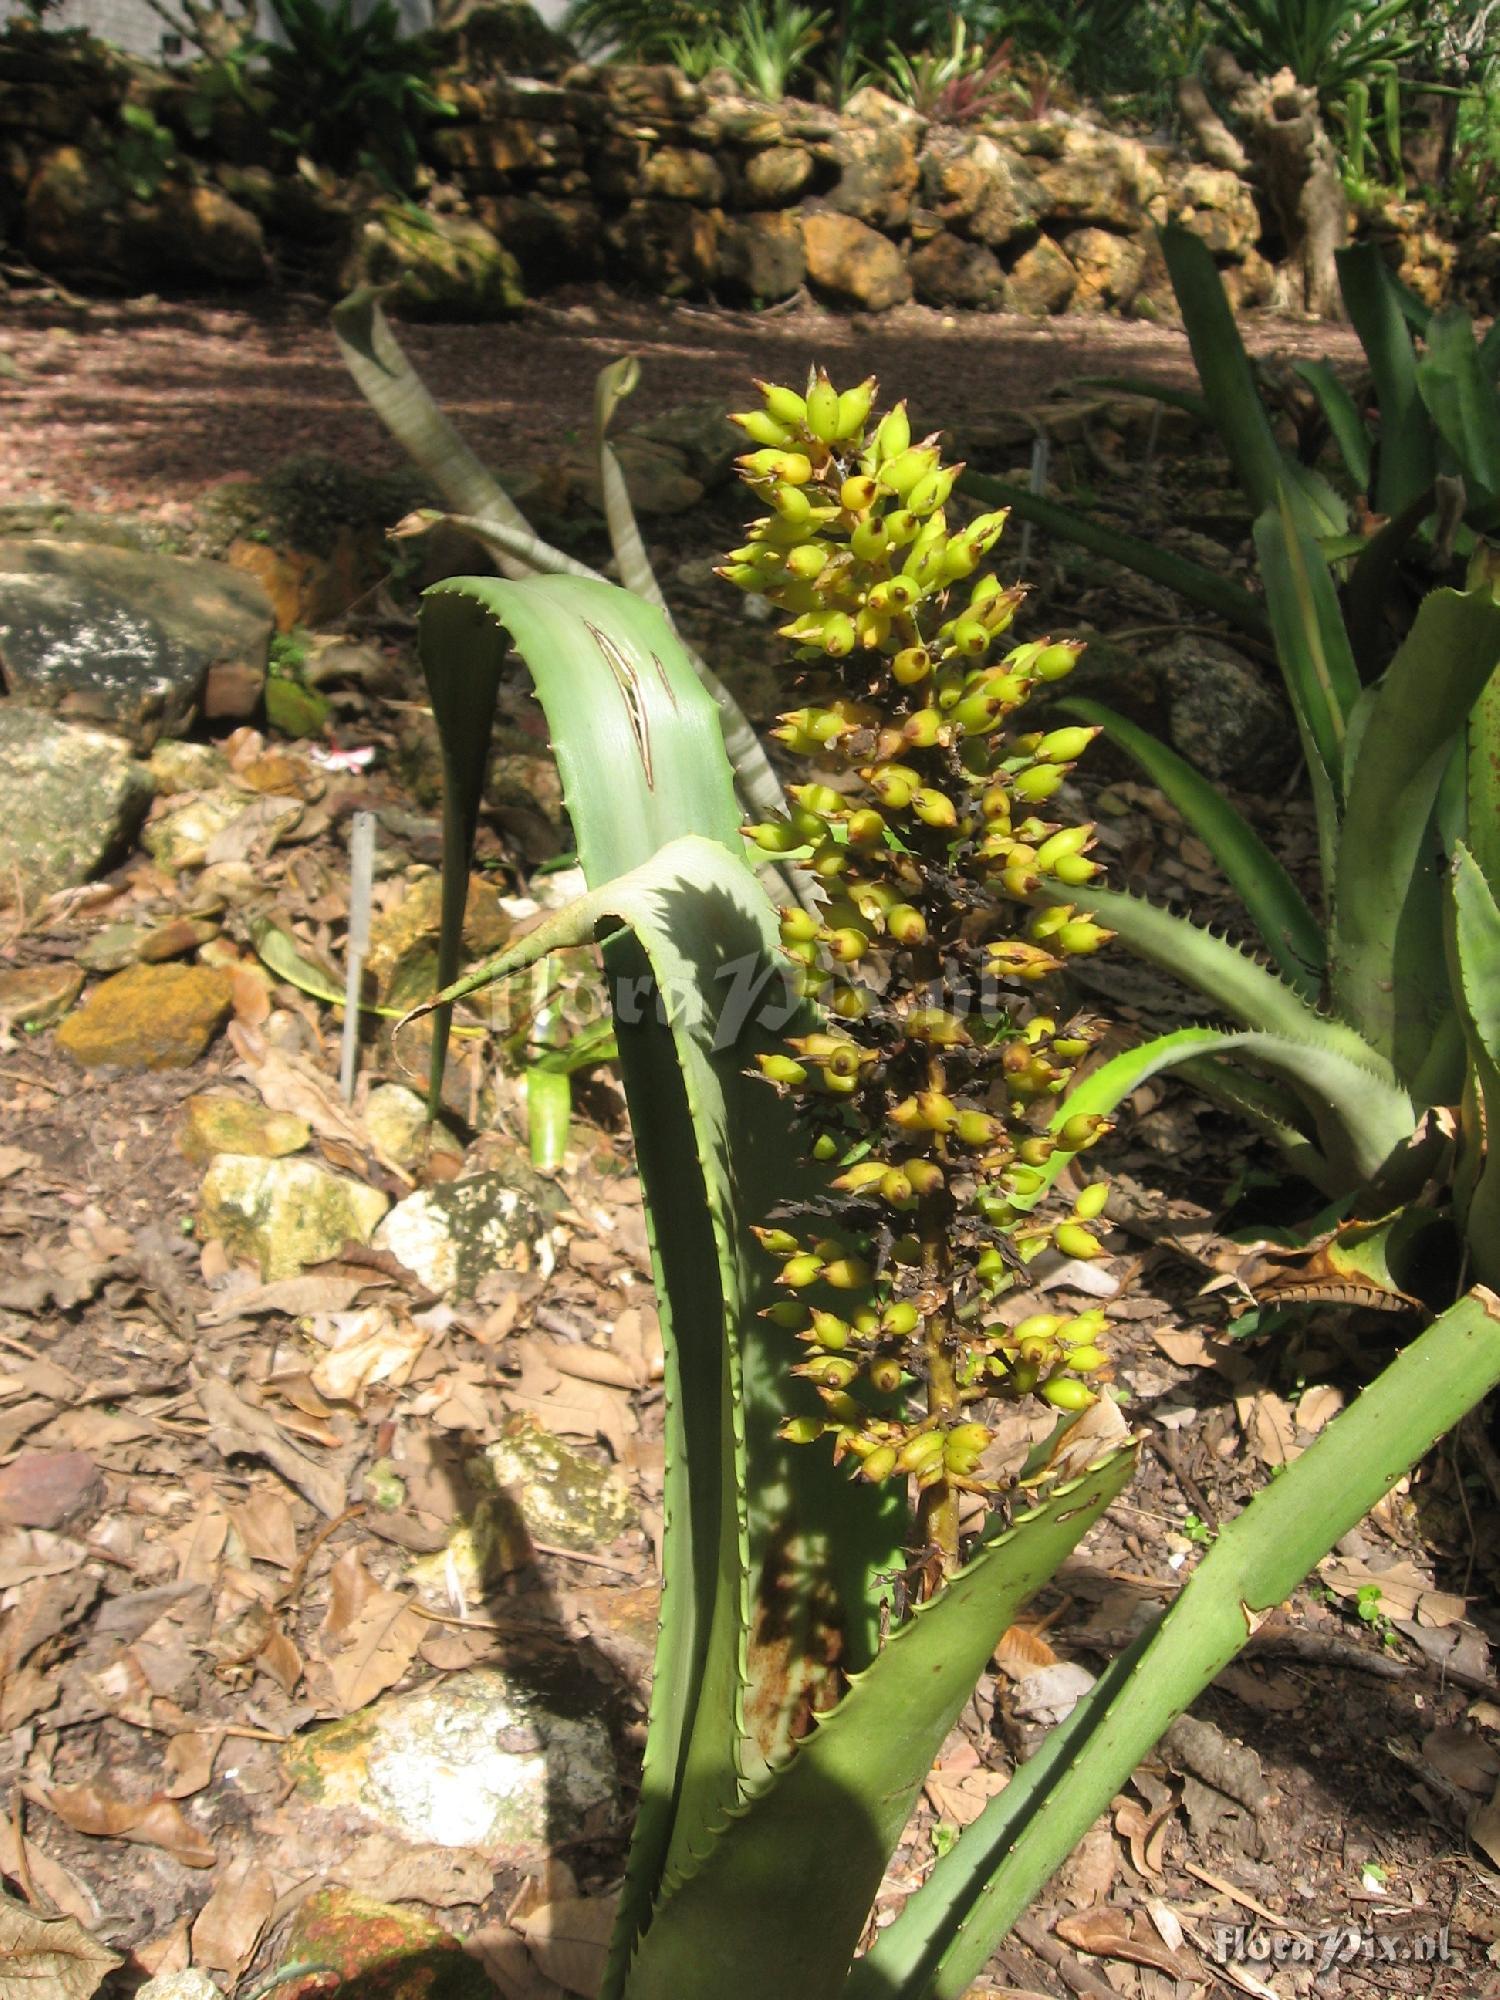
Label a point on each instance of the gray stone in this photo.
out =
(978, 188)
(563, 1497)
(73, 798)
(877, 172)
(949, 272)
(284, 1213)
(124, 638)
(1224, 717)
(454, 1235)
(761, 256)
(479, 1759)
(189, 1985)
(397, 1126)
(1041, 281)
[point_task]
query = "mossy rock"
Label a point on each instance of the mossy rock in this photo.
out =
(442, 266)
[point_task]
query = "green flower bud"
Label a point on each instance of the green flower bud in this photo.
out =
(829, 1331)
(823, 409)
(762, 428)
(870, 540)
(1053, 663)
(781, 1070)
(801, 1430)
(785, 405)
(1065, 1394)
(1036, 783)
(1064, 746)
(900, 1319)
(886, 1374)
(933, 808)
(799, 1271)
(892, 435)
(926, 1176)
(847, 1274)
(1082, 935)
(1091, 1201)
(906, 924)
(1036, 1326)
(777, 1242)
(854, 410)
(1088, 1360)
(923, 1450)
(1075, 1241)
(896, 1188)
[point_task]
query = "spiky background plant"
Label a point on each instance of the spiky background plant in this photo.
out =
(927, 828)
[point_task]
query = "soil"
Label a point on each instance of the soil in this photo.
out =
(1308, 1839)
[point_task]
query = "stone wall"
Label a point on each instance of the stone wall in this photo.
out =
(548, 172)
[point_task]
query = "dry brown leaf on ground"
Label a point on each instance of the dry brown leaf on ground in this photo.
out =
(1110, 1933)
(379, 1646)
(237, 1427)
(228, 1927)
(1318, 1406)
(363, 1348)
(48, 1956)
(157, 1822)
(586, 1363)
(1404, 1592)
(444, 1877)
(1022, 1650)
(1101, 1428)
(189, 1759)
(564, 1404)
(1269, 1426)
(315, 1292)
(515, 1973)
(60, 1888)
(1463, 1758)
(350, 1588)
(266, 1527)
(1484, 1828)
(569, 1940)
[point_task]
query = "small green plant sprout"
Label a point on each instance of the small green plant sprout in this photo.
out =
(1197, 1530)
(925, 1087)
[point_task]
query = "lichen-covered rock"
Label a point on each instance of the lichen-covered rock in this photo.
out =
(1086, 175)
(73, 797)
(284, 1213)
(149, 1017)
(217, 1121)
(761, 255)
(402, 959)
(440, 265)
(770, 177)
(1107, 268)
(34, 996)
(682, 173)
(670, 247)
(454, 1235)
(378, 1950)
(974, 186)
(947, 271)
(397, 1126)
(1217, 205)
(1254, 281)
(122, 637)
(187, 1985)
(562, 1496)
(182, 837)
(1041, 280)
(877, 167)
(854, 264)
(555, 239)
(479, 1759)
(80, 220)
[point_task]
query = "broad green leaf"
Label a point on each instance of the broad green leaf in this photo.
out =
(1463, 404)
(1262, 468)
(1199, 585)
(949, 1927)
(1482, 830)
(1407, 460)
(1275, 904)
(1343, 417)
(1475, 952)
(788, 1885)
(1322, 680)
(1385, 957)
(1376, 573)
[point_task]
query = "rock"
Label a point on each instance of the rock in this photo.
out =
(1223, 716)
(1218, 206)
(670, 247)
(946, 271)
(186, 767)
(680, 173)
(397, 1126)
(73, 798)
(443, 266)
(301, 588)
(181, 838)
(1253, 282)
(402, 958)
(72, 221)
(48, 1489)
(189, 1985)
(478, 1759)
(453, 1236)
(122, 637)
(380, 1951)
(761, 256)
(875, 151)
(284, 1213)
(1108, 268)
(149, 1017)
(200, 231)
(179, 937)
(563, 1497)
(219, 1122)
(655, 475)
(977, 188)
(34, 996)
(485, 156)
(78, 219)
(294, 710)
(553, 240)
(1041, 280)
(771, 177)
(1098, 177)
(852, 263)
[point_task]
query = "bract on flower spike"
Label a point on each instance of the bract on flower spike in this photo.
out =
(927, 819)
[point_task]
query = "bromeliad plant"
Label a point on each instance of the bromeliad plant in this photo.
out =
(788, 1737)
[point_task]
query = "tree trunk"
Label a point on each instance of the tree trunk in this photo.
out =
(1297, 168)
